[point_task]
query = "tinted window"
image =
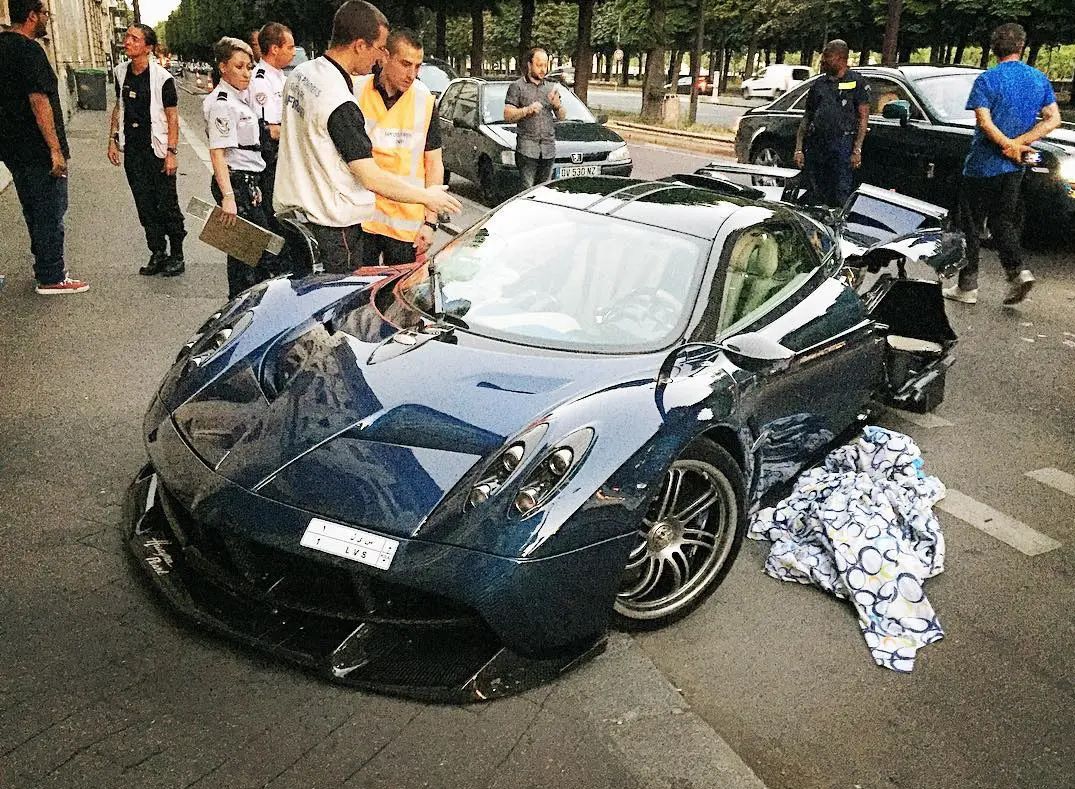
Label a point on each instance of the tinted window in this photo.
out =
(447, 101)
(466, 106)
(764, 264)
(885, 91)
(946, 95)
(800, 73)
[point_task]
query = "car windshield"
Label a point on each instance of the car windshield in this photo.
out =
(496, 92)
(557, 277)
(434, 77)
(946, 96)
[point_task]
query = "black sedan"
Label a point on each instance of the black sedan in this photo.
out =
(919, 136)
(479, 144)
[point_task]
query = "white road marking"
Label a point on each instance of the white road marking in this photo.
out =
(195, 142)
(1054, 478)
(922, 420)
(996, 524)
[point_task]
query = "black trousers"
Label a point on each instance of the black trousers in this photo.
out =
(378, 250)
(340, 248)
(828, 170)
(156, 200)
(996, 199)
(251, 207)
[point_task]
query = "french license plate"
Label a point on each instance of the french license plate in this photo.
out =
(354, 544)
(574, 172)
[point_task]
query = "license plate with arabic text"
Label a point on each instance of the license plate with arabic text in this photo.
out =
(354, 544)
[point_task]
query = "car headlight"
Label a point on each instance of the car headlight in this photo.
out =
(504, 466)
(548, 476)
(621, 154)
(507, 158)
(1067, 169)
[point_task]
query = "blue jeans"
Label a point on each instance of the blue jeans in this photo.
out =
(44, 202)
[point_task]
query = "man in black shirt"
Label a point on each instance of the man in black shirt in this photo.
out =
(145, 128)
(828, 145)
(33, 144)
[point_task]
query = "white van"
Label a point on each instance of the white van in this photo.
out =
(774, 80)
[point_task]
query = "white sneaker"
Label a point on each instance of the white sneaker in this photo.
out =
(1018, 287)
(956, 294)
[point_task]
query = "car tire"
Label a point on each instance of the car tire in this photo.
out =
(685, 545)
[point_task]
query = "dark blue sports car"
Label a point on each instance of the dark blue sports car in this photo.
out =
(447, 480)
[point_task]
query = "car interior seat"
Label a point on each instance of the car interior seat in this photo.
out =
(752, 265)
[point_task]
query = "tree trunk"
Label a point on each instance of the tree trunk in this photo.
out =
(1032, 52)
(625, 67)
(983, 62)
(526, 33)
(441, 45)
(653, 88)
(1071, 92)
(674, 61)
(806, 55)
(779, 56)
(961, 44)
(583, 52)
(725, 66)
(610, 62)
(137, 12)
(748, 66)
(696, 64)
(477, 40)
(889, 49)
(864, 55)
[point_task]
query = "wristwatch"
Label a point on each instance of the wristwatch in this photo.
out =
(433, 225)
(172, 149)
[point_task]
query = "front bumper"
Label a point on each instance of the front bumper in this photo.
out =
(391, 632)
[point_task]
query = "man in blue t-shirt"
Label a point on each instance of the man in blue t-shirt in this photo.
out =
(1007, 101)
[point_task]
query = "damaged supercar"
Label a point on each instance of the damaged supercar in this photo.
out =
(448, 480)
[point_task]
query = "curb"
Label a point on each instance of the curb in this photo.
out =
(684, 140)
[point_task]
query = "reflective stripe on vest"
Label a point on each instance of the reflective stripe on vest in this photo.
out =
(399, 140)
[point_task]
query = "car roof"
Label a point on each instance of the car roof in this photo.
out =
(675, 206)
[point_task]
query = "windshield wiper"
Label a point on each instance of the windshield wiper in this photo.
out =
(452, 311)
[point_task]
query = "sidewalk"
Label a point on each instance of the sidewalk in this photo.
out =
(99, 685)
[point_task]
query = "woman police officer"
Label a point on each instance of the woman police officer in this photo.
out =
(235, 153)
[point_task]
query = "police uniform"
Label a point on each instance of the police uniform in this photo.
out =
(143, 137)
(832, 121)
(231, 125)
(265, 98)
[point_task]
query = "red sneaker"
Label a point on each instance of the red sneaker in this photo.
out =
(66, 285)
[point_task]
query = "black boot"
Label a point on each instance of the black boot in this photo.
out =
(174, 266)
(156, 264)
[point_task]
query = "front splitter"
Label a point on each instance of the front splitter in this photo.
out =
(456, 663)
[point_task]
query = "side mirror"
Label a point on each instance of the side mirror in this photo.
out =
(757, 352)
(898, 111)
(602, 119)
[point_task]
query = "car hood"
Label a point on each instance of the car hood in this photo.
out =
(355, 395)
(569, 137)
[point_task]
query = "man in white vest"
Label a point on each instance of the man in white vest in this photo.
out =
(398, 110)
(145, 130)
(326, 168)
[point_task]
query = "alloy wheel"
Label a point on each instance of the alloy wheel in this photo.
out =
(684, 542)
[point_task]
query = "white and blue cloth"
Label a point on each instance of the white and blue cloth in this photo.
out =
(861, 526)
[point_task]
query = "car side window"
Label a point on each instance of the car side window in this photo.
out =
(466, 108)
(800, 73)
(883, 91)
(447, 102)
(797, 98)
(764, 264)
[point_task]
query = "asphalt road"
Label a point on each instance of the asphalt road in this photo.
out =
(781, 672)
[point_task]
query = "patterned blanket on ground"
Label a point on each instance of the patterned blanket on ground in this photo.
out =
(861, 526)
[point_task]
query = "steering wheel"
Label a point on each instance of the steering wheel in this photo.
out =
(643, 312)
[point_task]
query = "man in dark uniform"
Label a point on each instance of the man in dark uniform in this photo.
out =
(828, 145)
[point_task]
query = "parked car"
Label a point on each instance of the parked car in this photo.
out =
(300, 58)
(436, 74)
(683, 85)
(919, 136)
(565, 75)
(446, 480)
(480, 146)
(775, 80)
